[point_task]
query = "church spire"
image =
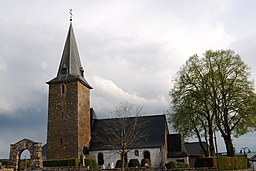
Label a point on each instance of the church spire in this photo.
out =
(70, 68)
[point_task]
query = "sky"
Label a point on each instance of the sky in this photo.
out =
(131, 51)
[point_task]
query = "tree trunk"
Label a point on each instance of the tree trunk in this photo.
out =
(228, 142)
(122, 158)
(229, 145)
(227, 135)
(211, 143)
(205, 149)
(122, 163)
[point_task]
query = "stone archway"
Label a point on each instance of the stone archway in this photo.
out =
(35, 149)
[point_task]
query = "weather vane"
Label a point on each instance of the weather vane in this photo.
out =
(71, 14)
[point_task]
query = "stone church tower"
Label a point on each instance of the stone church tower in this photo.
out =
(68, 106)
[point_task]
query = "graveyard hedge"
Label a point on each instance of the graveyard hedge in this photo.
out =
(134, 163)
(174, 165)
(63, 162)
(119, 164)
(225, 163)
(91, 163)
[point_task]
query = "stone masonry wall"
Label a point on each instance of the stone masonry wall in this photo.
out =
(34, 148)
(67, 117)
(84, 128)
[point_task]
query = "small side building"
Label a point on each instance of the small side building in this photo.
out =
(176, 149)
(195, 151)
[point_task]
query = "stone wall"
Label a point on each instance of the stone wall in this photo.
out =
(34, 148)
(84, 125)
(68, 120)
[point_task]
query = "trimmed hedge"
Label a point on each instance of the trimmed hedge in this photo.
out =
(144, 161)
(91, 163)
(65, 162)
(70, 162)
(175, 165)
(226, 163)
(119, 164)
(134, 163)
(233, 163)
(206, 162)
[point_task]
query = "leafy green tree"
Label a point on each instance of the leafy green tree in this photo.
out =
(191, 111)
(217, 91)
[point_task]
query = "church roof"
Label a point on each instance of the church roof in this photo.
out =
(195, 149)
(153, 131)
(70, 68)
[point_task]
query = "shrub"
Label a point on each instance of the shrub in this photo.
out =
(171, 165)
(91, 163)
(144, 162)
(182, 165)
(5, 162)
(94, 164)
(134, 163)
(175, 165)
(87, 162)
(119, 164)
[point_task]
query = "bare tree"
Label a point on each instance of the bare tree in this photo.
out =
(124, 131)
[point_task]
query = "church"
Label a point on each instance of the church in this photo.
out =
(73, 127)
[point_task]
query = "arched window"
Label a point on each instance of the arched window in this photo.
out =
(100, 159)
(146, 155)
(136, 152)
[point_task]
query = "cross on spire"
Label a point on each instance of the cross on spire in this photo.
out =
(71, 14)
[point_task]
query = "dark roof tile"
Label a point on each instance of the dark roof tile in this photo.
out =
(153, 131)
(194, 148)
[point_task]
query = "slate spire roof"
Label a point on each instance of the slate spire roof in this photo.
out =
(70, 68)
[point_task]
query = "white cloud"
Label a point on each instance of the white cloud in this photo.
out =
(203, 36)
(110, 94)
